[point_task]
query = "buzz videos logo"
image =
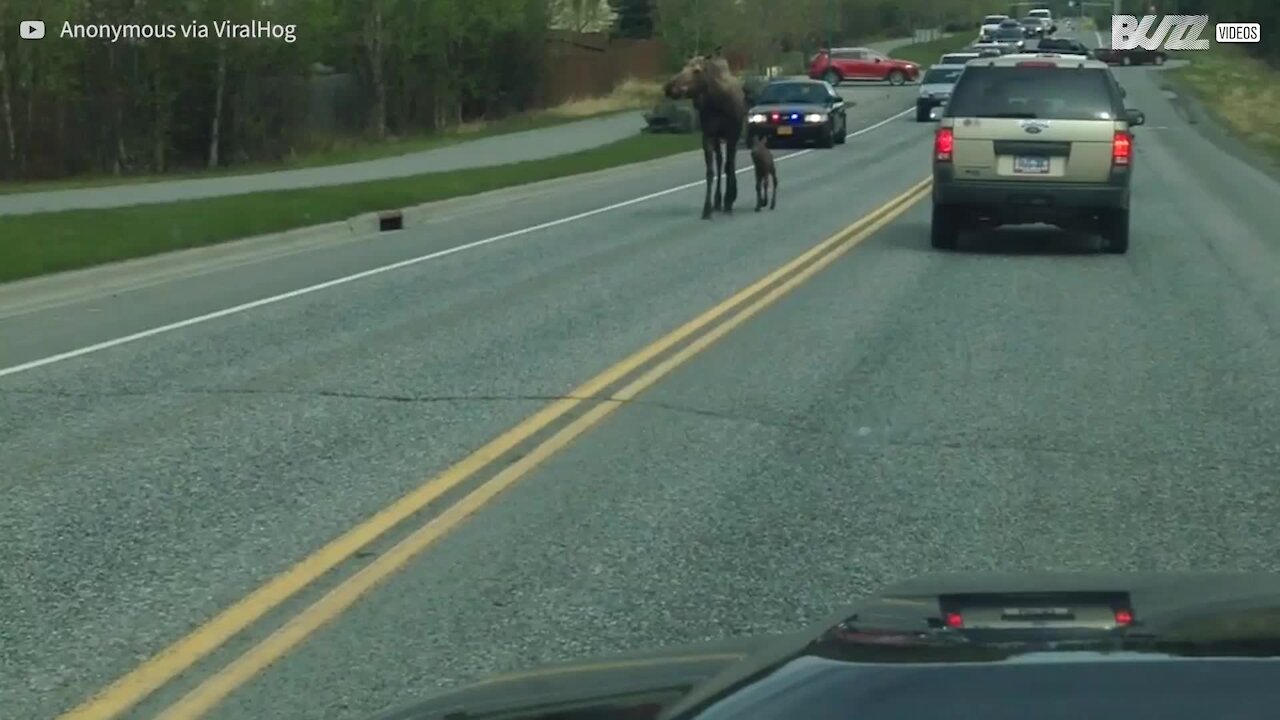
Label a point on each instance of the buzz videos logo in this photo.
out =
(1177, 32)
(31, 29)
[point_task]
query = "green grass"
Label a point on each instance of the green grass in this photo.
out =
(1241, 92)
(927, 53)
(51, 242)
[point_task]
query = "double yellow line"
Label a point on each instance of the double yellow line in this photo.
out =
(701, 333)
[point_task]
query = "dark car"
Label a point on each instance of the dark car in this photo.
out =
(1065, 46)
(799, 111)
(1136, 56)
(965, 647)
(1033, 27)
(1011, 36)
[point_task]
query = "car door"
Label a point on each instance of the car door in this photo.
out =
(852, 64)
(877, 66)
(836, 106)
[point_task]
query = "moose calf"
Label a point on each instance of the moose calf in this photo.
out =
(765, 172)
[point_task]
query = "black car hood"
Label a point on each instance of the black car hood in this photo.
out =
(1210, 614)
(788, 108)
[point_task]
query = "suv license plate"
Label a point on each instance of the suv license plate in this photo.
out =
(1031, 165)
(784, 130)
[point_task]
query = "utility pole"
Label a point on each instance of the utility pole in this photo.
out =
(831, 20)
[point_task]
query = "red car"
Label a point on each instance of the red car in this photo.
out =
(840, 64)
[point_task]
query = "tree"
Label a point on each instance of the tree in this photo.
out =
(635, 18)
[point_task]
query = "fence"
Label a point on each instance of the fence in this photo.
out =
(580, 65)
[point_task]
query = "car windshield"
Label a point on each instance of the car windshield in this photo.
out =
(937, 76)
(807, 93)
(1033, 92)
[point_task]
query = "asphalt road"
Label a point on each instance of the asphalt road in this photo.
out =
(1026, 404)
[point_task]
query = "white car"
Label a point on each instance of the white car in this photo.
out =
(1045, 17)
(988, 49)
(989, 25)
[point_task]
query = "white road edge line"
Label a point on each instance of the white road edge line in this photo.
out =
(142, 335)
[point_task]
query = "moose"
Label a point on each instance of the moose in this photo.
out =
(718, 99)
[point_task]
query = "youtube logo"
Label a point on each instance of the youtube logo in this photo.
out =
(31, 29)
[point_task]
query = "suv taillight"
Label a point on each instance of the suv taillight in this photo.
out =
(1121, 148)
(944, 141)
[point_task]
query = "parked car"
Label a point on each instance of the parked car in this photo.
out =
(841, 64)
(798, 111)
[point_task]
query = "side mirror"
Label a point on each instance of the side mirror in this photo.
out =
(1135, 117)
(935, 112)
(1124, 93)
(837, 101)
(879, 60)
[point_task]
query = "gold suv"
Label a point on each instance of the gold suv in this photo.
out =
(1034, 138)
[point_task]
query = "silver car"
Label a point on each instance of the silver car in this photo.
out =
(958, 58)
(935, 89)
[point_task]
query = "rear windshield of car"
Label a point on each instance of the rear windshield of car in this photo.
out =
(957, 59)
(1009, 33)
(992, 19)
(1033, 92)
(792, 93)
(941, 75)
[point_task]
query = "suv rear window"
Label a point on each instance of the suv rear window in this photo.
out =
(1034, 92)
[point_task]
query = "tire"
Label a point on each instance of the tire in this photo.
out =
(842, 136)
(922, 112)
(1115, 232)
(828, 138)
(896, 77)
(832, 77)
(944, 231)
